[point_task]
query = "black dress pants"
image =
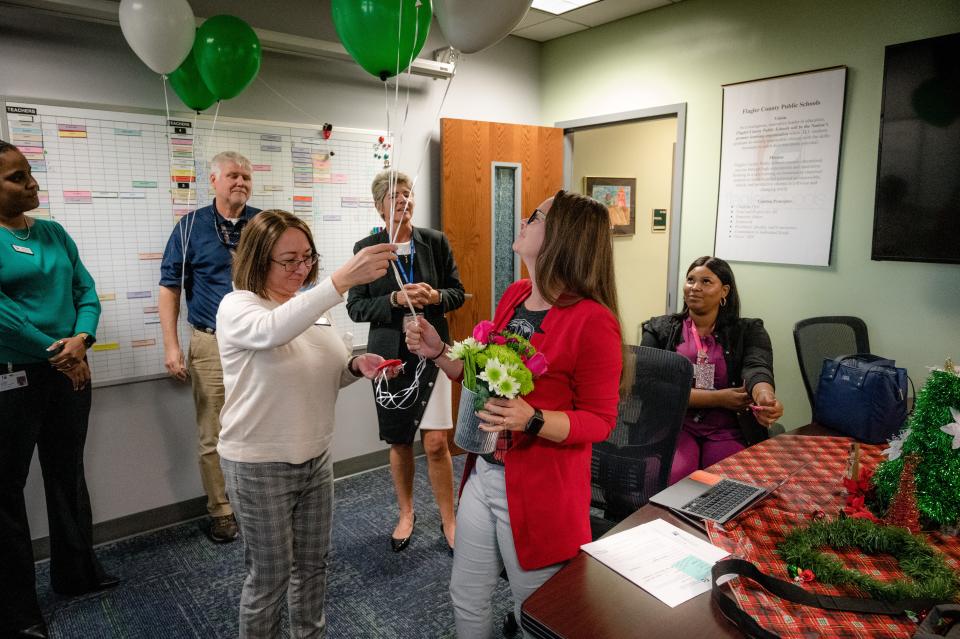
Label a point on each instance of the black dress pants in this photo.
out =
(49, 414)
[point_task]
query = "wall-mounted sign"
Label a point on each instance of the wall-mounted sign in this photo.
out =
(659, 220)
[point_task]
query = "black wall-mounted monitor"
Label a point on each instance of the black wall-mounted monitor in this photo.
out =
(917, 206)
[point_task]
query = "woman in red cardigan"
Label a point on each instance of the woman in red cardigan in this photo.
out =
(526, 506)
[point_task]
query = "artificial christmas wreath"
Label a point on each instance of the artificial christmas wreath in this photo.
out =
(929, 575)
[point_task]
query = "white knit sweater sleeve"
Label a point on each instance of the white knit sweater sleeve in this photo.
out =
(244, 323)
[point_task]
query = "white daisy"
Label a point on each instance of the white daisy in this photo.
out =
(460, 349)
(508, 388)
(493, 373)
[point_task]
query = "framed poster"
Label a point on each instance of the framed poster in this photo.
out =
(779, 160)
(620, 197)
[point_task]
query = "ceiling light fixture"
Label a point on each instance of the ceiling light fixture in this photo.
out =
(557, 7)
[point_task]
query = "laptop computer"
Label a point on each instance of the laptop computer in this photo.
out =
(706, 496)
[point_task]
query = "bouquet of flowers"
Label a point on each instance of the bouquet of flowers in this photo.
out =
(496, 364)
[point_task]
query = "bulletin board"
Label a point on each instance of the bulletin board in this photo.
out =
(118, 181)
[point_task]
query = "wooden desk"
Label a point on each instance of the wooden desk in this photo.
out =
(586, 599)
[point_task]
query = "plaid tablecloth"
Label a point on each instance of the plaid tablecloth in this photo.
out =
(755, 534)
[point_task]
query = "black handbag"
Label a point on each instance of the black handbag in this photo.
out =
(863, 395)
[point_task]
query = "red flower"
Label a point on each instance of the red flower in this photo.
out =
(498, 339)
(855, 509)
(860, 486)
(806, 576)
(481, 332)
(537, 364)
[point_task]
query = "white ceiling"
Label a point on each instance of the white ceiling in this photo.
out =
(542, 26)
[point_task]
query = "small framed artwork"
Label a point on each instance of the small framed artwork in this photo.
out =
(620, 197)
(658, 223)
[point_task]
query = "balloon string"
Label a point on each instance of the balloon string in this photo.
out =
(390, 188)
(285, 99)
(194, 196)
(426, 145)
(403, 127)
(166, 129)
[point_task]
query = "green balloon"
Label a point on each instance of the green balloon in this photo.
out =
(189, 86)
(368, 30)
(228, 55)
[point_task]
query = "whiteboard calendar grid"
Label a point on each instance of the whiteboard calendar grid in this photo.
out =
(115, 180)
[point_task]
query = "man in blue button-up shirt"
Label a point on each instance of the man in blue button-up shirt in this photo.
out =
(197, 260)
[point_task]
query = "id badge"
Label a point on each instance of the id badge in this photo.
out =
(12, 381)
(703, 372)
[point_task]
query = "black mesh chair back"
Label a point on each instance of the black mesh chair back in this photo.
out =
(634, 463)
(826, 337)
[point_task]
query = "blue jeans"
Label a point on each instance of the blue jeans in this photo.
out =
(284, 512)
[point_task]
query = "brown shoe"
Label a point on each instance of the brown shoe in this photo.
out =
(223, 529)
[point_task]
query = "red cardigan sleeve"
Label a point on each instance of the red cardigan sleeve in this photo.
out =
(596, 378)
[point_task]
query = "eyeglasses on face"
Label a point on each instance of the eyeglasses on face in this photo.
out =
(536, 216)
(291, 265)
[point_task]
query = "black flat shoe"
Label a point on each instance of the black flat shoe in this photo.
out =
(105, 582)
(400, 544)
(36, 631)
(443, 538)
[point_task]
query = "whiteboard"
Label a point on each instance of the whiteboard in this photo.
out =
(779, 161)
(119, 180)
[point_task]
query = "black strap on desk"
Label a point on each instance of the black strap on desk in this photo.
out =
(791, 592)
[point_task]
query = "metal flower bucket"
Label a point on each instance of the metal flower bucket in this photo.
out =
(468, 435)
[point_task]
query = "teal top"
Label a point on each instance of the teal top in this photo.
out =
(45, 293)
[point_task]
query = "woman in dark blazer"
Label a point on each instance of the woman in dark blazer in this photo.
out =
(432, 284)
(733, 401)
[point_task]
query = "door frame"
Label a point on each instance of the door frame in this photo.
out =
(679, 111)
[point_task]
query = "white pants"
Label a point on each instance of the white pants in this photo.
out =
(484, 546)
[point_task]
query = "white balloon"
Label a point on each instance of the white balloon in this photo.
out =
(474, 25)
(160, 32)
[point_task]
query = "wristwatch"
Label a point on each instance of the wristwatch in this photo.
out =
(535, 424)
(88, 339)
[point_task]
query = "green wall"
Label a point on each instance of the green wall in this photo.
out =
(684, 53)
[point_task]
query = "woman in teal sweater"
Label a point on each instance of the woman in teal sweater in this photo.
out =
(48, 316)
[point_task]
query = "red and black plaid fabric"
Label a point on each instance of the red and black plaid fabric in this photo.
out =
(504, 442)
(755, 535)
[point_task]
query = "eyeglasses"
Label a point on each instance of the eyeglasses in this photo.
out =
(535, 217)
(291, 265)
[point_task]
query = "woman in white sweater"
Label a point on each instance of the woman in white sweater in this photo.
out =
(283, 365)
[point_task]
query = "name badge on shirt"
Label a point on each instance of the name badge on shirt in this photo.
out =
(11, 381)
(22, 249)
(703, 372)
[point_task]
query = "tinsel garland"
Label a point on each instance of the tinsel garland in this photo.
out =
(938, 473)
(930, 577)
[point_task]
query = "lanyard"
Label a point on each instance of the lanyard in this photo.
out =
(696, 339)
(408, 276)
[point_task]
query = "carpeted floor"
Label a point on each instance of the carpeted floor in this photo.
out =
(177, 584)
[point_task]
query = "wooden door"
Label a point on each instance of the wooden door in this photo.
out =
(470, 149)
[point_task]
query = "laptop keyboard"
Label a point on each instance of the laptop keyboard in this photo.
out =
(724, 497)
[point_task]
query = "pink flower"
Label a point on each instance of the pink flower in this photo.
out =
(537, 364)
(498, 339)
(481, 332)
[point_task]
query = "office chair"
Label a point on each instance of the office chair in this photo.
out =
(819, 338)
(634, 462)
